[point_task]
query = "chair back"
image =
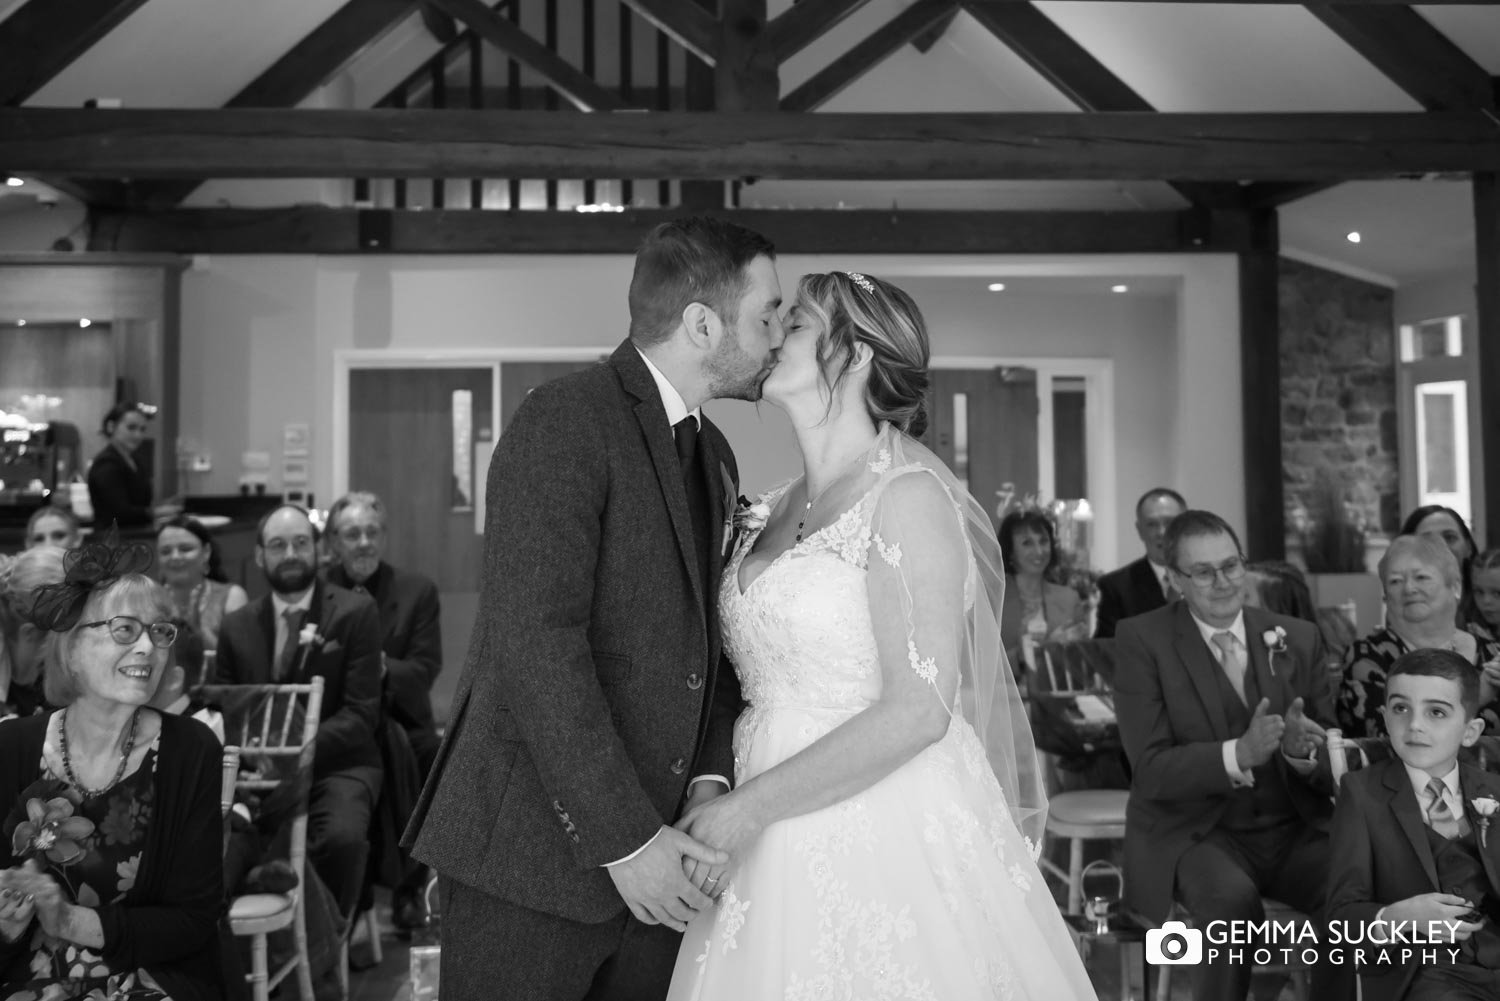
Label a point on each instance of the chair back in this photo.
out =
(228, 775)
(1348, 753)
(275, 729)
(1073, 666)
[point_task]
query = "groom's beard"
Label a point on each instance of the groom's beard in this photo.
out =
(735, 375)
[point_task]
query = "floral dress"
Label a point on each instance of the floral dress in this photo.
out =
(1362, 691)
(105, 872)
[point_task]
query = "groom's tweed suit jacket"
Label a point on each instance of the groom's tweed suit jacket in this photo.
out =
(593, 689)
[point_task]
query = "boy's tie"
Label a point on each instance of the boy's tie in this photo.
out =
(1439, 816)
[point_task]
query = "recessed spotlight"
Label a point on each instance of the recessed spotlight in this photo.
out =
(997, 286)
(20, 323)
(1119, 288)
(1353, 237)
(85, 322)
(13, 182)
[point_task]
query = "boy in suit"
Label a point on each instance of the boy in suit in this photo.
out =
(1411, 841)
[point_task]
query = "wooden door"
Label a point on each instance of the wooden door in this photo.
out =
(983, 424)
(414, 434)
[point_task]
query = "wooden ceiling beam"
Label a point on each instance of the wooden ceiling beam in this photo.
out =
(1072, 69)
(308, 65)
(321, 230)
(1415, 55)
(43, 38)
(689, 145)
(900, 30)
(1274, 194)
(580, 90)
(797, 27)
(683, 21)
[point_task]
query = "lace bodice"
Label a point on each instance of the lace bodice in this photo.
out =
(800, 634)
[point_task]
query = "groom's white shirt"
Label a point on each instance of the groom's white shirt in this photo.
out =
(672, 402)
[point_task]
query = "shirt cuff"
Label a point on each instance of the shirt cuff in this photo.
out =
(1237, 777)
(627, 858)
(707, 778)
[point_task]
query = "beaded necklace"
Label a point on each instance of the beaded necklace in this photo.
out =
(62, 742)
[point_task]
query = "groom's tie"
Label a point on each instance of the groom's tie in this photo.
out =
(686, 433)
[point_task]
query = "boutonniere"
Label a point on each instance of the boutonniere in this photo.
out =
(750, 517)
(1485, 807)
(1275, 641)
(309, 636)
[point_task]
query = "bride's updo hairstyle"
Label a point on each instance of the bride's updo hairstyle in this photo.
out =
(855, 308)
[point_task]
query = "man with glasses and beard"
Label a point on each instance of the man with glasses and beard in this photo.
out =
(1218, 706)
(306, 628)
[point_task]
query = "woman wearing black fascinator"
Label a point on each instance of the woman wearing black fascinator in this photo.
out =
(110, 876)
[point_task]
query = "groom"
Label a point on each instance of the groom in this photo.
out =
(592, 710)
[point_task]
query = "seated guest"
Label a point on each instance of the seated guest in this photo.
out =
(1446, 526)
(1484, 586)
(53, 526)
(412, 645)
(22, 644)
(1422, 588)
(302, 629)
(1219, 708)
(113, 888)
(411, 651)
(1034, 606)
(176, 695)
(1405, 847)
(194, 575)
(1139, 587)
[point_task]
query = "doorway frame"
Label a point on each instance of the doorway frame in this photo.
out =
(1098, 375)
(348, 360)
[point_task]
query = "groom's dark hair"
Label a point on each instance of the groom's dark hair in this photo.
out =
(695, 259)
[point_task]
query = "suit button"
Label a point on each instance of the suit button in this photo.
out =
(679, 766)
(695, 682)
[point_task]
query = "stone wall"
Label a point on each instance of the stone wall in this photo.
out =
(1338, 392)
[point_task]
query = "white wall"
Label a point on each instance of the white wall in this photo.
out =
(1452, 295)
(260, 335)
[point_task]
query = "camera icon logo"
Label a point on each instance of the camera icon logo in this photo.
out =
(1174, 944)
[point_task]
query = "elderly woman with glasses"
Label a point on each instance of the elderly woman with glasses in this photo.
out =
(1423, 586)
(110, 876)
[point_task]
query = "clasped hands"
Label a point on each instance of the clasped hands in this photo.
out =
(1294, 734)
(683, 870)
(27, 892)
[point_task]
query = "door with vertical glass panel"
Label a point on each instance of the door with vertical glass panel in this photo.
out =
(415, 437)
(983, 424)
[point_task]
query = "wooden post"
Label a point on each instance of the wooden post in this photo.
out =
(1487, 346)
(1260, 388)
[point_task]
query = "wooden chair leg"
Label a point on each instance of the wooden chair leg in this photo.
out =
(304, 963)
(1075, 876)
(259, 977)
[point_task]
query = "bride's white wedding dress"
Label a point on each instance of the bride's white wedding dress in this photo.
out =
(919, 887)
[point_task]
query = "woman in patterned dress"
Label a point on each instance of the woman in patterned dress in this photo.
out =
(191, 571)
(1423, 588)
(110, 875)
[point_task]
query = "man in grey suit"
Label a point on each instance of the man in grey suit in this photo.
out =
(594, 708)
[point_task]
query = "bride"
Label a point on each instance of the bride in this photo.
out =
(888, 809)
